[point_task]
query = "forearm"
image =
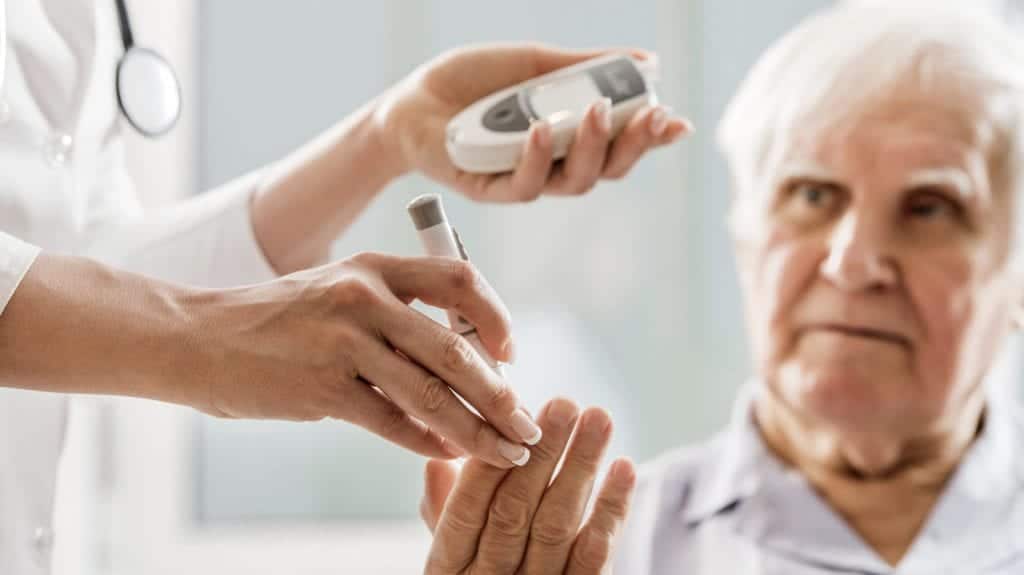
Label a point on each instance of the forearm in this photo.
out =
(313, 195)
(76, 326)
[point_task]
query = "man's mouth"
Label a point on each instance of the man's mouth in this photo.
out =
(862, 332)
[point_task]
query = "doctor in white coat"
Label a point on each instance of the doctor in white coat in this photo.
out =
(97, 296)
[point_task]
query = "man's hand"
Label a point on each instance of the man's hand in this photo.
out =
(415, 113)
(489, 520)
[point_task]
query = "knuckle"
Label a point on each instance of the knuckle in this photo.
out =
(392, 421)
(457, 354)
(584, 461)
(616, 507)
(354, 292)
(484, 439)
(502, 399)
(552, 530)
(465, 277)
(366, 259)
(546, 451)
(509, 516)
(593, 550)
(433, 395)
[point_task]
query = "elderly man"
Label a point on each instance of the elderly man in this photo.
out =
(877, 158)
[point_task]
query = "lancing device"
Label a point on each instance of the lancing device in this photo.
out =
(489, 135)
(440, 239)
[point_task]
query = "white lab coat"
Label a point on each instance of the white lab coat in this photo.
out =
(63, 188)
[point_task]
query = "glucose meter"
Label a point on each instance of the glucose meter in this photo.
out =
(488, 136)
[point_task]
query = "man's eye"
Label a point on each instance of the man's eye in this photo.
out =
(815, 194)
(931, 206)
(811, 201)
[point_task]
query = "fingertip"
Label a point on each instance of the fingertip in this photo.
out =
(601, 116)
(540, 134)
(657, 121)
(623, 472)
(508, 352)
(597, 418)
(677, 128)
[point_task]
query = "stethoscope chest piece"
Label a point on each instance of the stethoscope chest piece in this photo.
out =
(148, 91)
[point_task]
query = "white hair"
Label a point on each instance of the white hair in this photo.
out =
(857, 50)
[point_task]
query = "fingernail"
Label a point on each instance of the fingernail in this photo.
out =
(542, 133)
(659, 121)
(561, 413)
(688, 127)
(603, 111)
(517, 454)
(510, 351)
(528, 430)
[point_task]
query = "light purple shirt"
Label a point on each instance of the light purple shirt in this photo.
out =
(730, 507)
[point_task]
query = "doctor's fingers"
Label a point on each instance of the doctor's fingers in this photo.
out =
(449, 284)
(582, 167)
(528, 180)
(367, 407)
(429, 398)
(650, 127)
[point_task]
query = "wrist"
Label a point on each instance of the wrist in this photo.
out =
(197, 347)
(389, 126)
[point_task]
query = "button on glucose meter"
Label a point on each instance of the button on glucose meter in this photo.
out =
(488, 136)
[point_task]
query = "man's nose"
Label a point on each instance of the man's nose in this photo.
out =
(858, 257)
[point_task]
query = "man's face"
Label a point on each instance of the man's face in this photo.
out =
(875, 263)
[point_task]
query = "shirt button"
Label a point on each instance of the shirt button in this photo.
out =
(42, 542)
(58, 148)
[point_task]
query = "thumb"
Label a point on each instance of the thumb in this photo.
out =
(439, 478)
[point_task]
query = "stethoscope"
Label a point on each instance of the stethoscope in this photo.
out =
(147, 88)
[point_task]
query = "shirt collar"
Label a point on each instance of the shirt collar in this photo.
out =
(741, 470)
(738, 464)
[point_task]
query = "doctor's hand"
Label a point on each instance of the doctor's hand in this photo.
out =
(341, 341)
(417, 110)
(489, 520)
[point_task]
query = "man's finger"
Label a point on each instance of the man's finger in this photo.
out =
(438, 480)
(463, 518)
(566, 499)
(512, 510)
(592, 552)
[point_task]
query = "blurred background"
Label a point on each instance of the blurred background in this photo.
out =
(625, 299)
